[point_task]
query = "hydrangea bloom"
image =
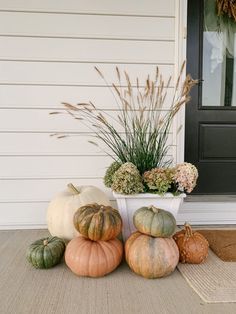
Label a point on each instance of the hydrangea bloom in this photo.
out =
(108, 178)
(159, 179)
(185, 177)
(127, 180)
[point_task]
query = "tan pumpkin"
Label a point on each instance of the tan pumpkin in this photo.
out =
(151, 257)
(193, 247)
(62, 208)
(93, 258)
(98, 222)
(155, 222)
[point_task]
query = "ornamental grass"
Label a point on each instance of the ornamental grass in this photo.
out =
(139, 132)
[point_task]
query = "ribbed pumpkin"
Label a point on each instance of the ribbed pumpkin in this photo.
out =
(151, 257)
(98, 222)
(62, 208)
(93, 259)
(46, 252)
(155, 222)
(193, 247)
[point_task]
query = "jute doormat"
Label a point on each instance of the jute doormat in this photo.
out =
(222, 243)
(214, 281)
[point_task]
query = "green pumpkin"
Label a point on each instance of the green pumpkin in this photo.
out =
(46, 252)
(155, 222)
(98, 222)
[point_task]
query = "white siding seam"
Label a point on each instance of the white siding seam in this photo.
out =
(89, 13)
(84, 61)
(88, 37)
(51, 84)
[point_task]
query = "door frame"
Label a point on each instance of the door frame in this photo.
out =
(196, 212)
(180, 57)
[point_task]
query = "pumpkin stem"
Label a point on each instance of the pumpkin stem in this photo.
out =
(154, 209)
(188, 229)
(73, 189)
(45, 242)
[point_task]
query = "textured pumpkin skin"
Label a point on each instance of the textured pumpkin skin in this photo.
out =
(151, 257)
(93, 258)
(155, 222)
(193, 247)
(46, 252)
(62, 208)
(98, 222)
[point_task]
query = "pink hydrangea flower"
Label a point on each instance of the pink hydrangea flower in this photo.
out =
(186, 176)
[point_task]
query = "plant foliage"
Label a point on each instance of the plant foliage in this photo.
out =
(139, 132)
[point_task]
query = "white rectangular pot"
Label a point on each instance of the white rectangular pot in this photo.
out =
(128, 204)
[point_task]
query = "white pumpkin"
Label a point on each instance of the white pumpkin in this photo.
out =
(61, 209)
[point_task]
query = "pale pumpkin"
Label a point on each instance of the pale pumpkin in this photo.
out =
(154, 221)
(98, 222)
(193, 246)
(93, 258)
(151, 257)
(62, 208)
(46, 252)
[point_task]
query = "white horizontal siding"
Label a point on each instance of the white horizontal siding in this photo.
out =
(80, 74)
(121, 7)
(89, 50)
(72, 26)
(42, 120)
(51, 96)
(47, 56)
(43, 144)
(30, 192)
(42, 167)
(23, 215)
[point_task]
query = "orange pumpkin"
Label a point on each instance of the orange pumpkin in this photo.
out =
(151, 257)
(193, 247)
(93, 259)
(98, 222)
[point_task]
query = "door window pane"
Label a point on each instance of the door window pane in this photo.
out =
(219, 61)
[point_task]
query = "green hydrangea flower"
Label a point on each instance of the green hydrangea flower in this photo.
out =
(108, 178)
(159, 180)
(127, 180)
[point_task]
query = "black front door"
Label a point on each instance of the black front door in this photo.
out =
(210, 140)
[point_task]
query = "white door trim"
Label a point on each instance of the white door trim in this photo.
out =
(180, 57)
(199, 213)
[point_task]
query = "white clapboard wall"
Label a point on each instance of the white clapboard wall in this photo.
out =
(48, 50)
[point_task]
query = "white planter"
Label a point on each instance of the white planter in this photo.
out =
(128, 204)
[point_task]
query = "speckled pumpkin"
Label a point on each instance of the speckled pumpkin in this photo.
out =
(63, 206)
(155, 222)
(151, 257)
(46, 252)
(93, 258)
(98, 222)
(193, 247)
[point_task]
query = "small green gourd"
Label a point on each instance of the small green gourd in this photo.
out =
(46, 253)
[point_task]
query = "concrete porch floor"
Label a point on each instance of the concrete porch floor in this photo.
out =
(26, 290)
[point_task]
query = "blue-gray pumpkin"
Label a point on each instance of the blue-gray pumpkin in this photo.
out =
(155, 222)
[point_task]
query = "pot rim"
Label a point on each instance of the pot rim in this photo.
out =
(148, 195)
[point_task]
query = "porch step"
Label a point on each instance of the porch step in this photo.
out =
(210, 198)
